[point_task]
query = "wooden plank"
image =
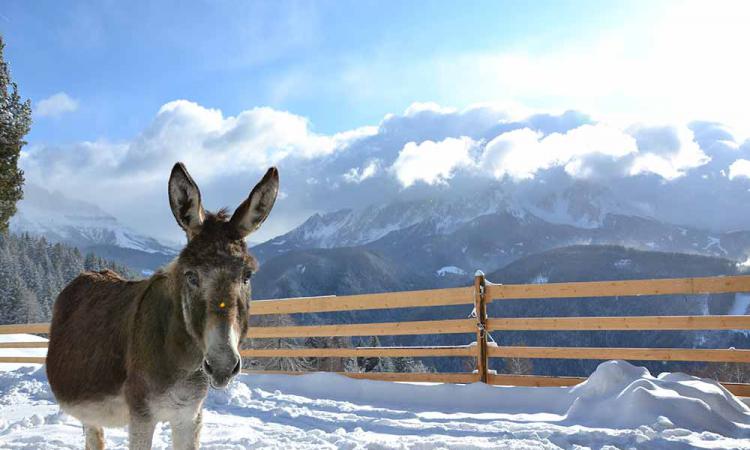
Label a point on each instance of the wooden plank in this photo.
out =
(532, 380)
(385, 300)
(31, 328)
(368, 329)
(666, 286)
(738, 389)
(621, 323)
(633, 354)
(435, 377)
(417, 377)
(23, 344)
(22, 359)
(357, 352)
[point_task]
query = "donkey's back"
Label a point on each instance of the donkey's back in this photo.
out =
(88, 337)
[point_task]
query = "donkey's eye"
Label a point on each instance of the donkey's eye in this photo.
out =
(247, 276)
(192, 278)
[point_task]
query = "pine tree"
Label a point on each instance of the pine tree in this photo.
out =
(15, 123)
(370, 364)
(91, 263)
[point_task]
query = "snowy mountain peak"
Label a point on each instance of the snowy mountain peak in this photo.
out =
(62, 219)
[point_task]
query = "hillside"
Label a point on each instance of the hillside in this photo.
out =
(338, 271)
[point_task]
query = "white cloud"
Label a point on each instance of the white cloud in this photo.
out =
(418, 107)
(357, 175)
(432, 162)
(207, 141)
(667, 151)
(739, 168)
(56, 105)
(595, 151)
(520, 154)
(212, 143)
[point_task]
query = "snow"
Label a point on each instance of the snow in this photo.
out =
(740, 305)
(715, 242)
(619, 406)
(623, 263)
(540, 279)
(452, 270)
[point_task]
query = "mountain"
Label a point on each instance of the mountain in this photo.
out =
(450, 235)
(339, 271)
(85, 226)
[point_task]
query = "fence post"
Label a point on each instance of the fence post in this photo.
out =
(480, 309)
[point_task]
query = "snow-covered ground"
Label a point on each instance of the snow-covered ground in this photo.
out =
(620, 406)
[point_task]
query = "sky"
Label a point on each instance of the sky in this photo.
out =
(121, 90)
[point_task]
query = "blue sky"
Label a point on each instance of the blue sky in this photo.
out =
(353, 100)
(122, 60)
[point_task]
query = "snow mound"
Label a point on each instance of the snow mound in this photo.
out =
(620, 395)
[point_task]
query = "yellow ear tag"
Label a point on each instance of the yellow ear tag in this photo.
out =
(222, 305)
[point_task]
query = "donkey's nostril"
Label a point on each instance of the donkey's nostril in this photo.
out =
(207, 367)
(237, 367)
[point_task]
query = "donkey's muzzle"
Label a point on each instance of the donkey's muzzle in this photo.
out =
(220, 373)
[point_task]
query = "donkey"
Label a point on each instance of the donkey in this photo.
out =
(140, 352)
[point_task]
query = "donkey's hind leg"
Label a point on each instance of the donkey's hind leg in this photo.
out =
(94, 437)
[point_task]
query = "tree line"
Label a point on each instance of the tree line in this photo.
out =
(34, 271)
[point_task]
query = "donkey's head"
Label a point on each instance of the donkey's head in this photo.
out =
(213, 271)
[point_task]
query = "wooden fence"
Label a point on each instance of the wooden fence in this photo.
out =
(479, 296)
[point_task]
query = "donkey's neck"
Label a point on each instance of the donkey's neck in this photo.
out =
(164, 348)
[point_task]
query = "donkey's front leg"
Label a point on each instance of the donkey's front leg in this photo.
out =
(141, 432)
(186, 430)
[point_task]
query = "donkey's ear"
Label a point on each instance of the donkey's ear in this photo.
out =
(254, 210)
(185, 200)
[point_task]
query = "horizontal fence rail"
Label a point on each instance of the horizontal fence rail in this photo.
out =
(624, 323)
(624, 288)
(368, 329)
(358, 352)
(31, 328)
(633, 354)
(412, 377)
(387, 300)
(478, 296)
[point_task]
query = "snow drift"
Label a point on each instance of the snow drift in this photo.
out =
(620, 405)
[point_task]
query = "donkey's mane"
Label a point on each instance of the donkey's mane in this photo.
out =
(221, 215)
